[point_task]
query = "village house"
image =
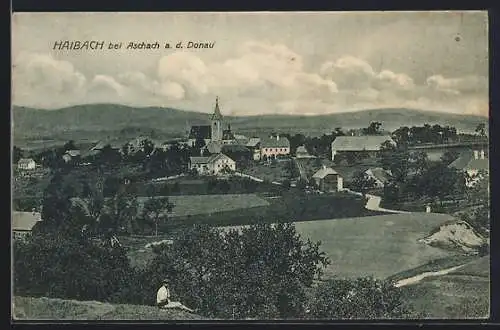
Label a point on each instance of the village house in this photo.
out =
(301, 152)
(368, 144)
(26, 164)
(71, 155)
(379, 175)
(212, 165)
(253, 144)
(273, 147)
(473, 163)
(327, 179)
(24, 222)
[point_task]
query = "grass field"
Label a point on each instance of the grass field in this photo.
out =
(278, 171)
(378, 245)
(27, 308)
(463, 293)
(205, 204)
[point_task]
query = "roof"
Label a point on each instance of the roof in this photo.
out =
(73, 153)
(301, 149)
(360, 143)
(217, 115)
(198, 160)
(101, 144)
(282, 142)
(379, 174)
(200, 131)
(215, 157)
(227, 135)
(25, 161)
(25, 220)
(253, 142)
(466, 161)
(323, 172)
(234, 148)
(213, 147)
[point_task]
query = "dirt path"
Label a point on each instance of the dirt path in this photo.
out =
(419, 277)
(373, 204)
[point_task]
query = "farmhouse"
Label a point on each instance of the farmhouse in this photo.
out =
(253, 144)
(472, 163)
(378, 174)
(370, 144)
(23, 223)
(273, 147)
(301, 152)
(327, 179)
(100, 145)
(26, 164)
(71, 155)
(212, 165)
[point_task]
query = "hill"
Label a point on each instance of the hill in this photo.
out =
(28, 308)
(93, 121)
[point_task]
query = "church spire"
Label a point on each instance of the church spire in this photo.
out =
(217, 114)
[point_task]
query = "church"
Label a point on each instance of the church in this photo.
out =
(213, 133)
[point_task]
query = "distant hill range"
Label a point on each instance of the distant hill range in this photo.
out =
(94, 121)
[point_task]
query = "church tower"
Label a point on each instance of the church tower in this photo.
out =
(216, 122)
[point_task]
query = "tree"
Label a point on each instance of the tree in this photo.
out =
(438, 181)
(58, 265)
(70, 145)
(362, 182)
(373, 128)
(401, 136)
(156, 210)
(362, 298)
(419, 162)
(481, 130)
(260, 271)
(17, 154)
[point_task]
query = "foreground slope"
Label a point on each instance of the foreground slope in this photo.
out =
(28, 308)
(461, 294)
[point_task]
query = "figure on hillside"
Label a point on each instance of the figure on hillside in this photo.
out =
(163, 299)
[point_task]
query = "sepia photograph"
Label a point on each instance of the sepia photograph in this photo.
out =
(250, 166)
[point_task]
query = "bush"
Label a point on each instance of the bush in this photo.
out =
(362, 298)
(55, 266)
(259, 272)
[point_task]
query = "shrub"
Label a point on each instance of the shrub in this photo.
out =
(362, 298)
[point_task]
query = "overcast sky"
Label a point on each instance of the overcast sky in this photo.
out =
(261, 63)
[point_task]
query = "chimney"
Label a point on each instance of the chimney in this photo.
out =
(482, 154)
(476, 154)
(277, 137)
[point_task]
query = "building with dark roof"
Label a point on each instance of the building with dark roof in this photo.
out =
(327, 179)
(474, 163)
(212, 165)
(24, 222)
(378, 174)
(370, 144)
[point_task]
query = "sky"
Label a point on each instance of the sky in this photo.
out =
(261, 63)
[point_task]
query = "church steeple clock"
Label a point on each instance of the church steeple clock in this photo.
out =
(216, 119)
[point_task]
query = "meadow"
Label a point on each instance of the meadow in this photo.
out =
(205, 204)
(461, 294)
(377, 246)
(28, 308)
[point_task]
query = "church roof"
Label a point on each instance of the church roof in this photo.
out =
(217, 115)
